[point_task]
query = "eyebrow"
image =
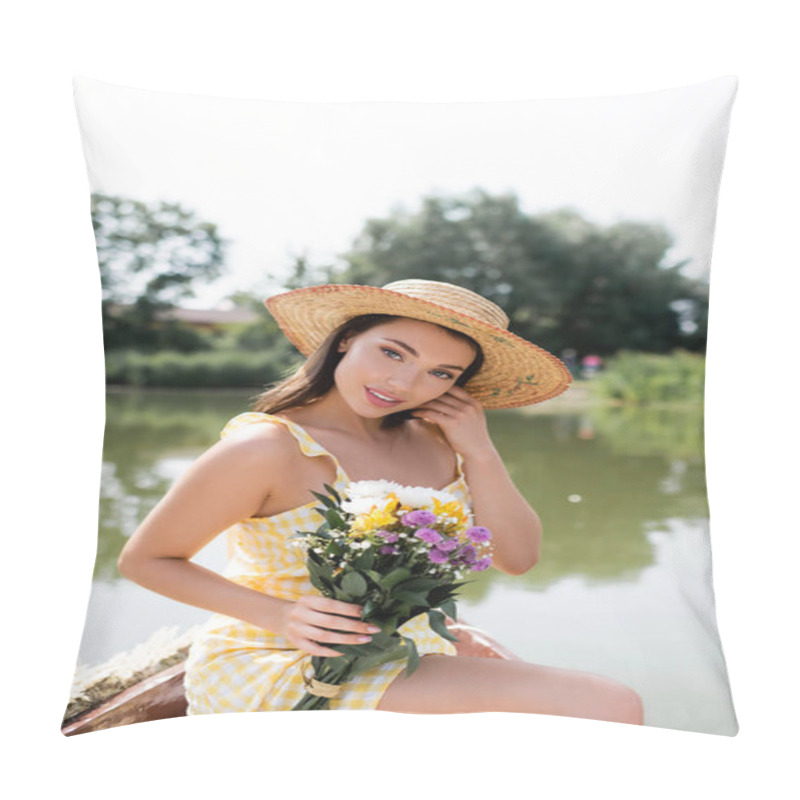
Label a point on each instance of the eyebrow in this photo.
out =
(413, 352)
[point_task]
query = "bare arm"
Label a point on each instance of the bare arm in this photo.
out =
(228, 483)
(496, 503)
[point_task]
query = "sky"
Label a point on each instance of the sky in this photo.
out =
(429, 50)
(283, 179)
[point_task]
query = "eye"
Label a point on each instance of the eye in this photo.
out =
(391, 352)
(444, 375)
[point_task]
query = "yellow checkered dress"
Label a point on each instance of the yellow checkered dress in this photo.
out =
(235, 666)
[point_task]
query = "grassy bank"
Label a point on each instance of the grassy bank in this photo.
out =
(628, 378)
(202, 370)
(650, 378)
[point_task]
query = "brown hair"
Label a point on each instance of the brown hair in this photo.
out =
(315, 377)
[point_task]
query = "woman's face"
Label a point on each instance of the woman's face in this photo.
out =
(399, 365)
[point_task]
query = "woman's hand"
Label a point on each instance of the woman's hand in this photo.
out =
(462, 420)
(314, 620)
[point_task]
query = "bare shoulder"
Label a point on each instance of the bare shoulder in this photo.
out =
(260, 446)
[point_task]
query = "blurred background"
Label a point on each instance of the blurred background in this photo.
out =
(615, 466)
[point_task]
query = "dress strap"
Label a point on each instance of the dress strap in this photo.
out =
(310, 447)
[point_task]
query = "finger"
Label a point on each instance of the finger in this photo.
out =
(446, 402)
(425, 415)
(434, 414)
(314, 649)
(464, 400)
(337, 623)
(463, 394)
(325, 636)
(435, 405)
(330, 606)
(422, 415)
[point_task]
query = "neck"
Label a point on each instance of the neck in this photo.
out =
(331, 411)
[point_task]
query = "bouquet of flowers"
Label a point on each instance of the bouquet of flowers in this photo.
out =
(397, 550)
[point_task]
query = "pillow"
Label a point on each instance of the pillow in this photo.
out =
(587, 223)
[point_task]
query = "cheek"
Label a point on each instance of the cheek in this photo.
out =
(432, 392)
(356, 364)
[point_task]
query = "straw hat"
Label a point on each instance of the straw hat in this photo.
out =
(515, 372)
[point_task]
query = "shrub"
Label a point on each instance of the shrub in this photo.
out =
(653, 378)
(208, 369)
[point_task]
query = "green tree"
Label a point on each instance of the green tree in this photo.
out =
(563, 281)
(150, 256)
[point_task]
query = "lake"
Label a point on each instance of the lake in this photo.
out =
(622, 588)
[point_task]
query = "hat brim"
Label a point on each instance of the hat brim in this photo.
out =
(515, 372)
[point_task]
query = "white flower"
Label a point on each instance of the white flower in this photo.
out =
(359, 505)
(361, 496)
(415, 496)
(374, 489)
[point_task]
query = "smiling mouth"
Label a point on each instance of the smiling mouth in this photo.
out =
(380, 398)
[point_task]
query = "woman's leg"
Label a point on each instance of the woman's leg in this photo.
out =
(460, 684)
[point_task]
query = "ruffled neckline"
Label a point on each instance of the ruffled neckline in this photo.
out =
(310, 446)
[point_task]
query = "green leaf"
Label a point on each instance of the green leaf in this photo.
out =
(333, 493)
(340, 594)
(437, 621)
(412, 598)
(320, 574)
(449, 608)
(335, 519)
(438, 595)
(365, 559)
(325, 500)
(419, 584)
(369, 607)
(388, 623)
(413, 656)
(354, 584)
(394, 577)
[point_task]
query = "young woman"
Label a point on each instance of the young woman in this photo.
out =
(395, 387)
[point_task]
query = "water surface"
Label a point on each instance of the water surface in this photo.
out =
(622, 588)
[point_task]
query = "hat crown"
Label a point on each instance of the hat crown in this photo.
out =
(456, 298)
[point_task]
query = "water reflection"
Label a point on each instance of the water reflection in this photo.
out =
(150, 438)
(601, 481)
(622, 587)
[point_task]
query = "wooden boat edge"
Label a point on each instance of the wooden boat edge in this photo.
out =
(161, 695)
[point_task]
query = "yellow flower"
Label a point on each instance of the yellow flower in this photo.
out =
(452, 509)
(377, 517)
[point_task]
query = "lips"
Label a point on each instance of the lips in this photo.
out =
(379, 401)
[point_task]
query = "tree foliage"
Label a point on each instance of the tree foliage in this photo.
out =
(563, 281)
(150, 256)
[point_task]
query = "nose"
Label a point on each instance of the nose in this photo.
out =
(403, 379)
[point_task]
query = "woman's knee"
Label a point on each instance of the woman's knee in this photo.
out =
(460, 684)
(624, 704)
(582, 694)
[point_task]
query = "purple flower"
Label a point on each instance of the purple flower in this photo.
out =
(388, 536)
(388, 549)
(468, 554)
(447, 546)
(428, 535)
(481, 565)
(479, 534)
(419, 517)
(437, 556)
